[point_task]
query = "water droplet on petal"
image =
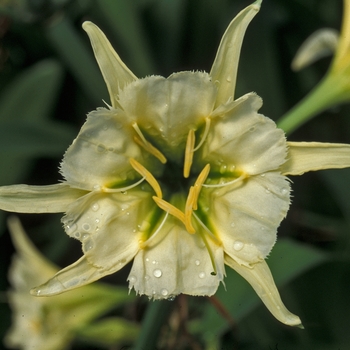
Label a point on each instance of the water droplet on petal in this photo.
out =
(95, 207)
(147, 277)
(228, 79)
(85, 236)
(157, 273)
(284, 191)
(132, 279)
(101, 148)
(86, 227)
(197, 262)
(155, 262)
(201, 275)
(267, 190)
(238, 245)
(171, 298)
(77, 234)
(88, 245)
(164, 292)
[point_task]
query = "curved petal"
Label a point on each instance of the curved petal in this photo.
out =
(243, 140)
(73, 276)
(260, 278)
(319, 44)
(115, 73)
(166, 109)
(311, 156)
(100, 154)
(246, 216)
(178, 262)
(108, 226)
(224, 69)
(38, 199)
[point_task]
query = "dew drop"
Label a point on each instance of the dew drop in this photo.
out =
(88, 245)
(157, 273)
(147, 259)
(262, 175)
(147, 277)
(228, 79)
(95, 207)
(85, 236)
(238, 245)
(201, 275)
(86, 227)
(97, 221)
(171, 298)
(37, 291)
(155, 262)
(164, 292)
(267, 190)
(124, 206)
(101, 148)
(284, 191)
(77, 234)
(197, 262)
(132, 279)
(70, 228)
(223, 169)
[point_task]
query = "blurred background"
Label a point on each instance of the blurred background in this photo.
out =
(49, 81)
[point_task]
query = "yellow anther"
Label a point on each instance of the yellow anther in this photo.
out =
(147, 176)
(191, 138)
(190, 202)
(141, 141)
(199, 183)
(169, 208)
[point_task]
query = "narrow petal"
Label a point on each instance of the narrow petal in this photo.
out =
(224, 69)
(100, 154)
(73, 276)
(115, 73)
(178, 262)
(260, 278)
(245, 216)
(243, 140)
(319, 44)
(311, 156)
(38, 199)
(109, 226)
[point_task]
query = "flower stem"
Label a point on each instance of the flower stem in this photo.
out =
(156, 314)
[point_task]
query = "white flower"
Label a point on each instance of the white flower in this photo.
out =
(178, 176)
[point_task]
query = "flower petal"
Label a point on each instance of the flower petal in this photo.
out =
(311, 156)
(38, 199)
(108, 226)
(73, 276)
(100, 154)
(319, 44)
(178, 262)
(245, 216)
(224, 69)
(115, 73)
(260, 278)
(244, 140)
(166, 109)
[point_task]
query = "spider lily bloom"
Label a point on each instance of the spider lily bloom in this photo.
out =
(48, 323)
(334, 88)
(179, 177)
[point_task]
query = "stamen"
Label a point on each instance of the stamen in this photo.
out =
(143, 245)
(166, 206)
(141, 141)
(190, 203)
(199, 183)
(189, 153)
(123, 189)
(242, 177)
(205, 134)
(147, 176)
